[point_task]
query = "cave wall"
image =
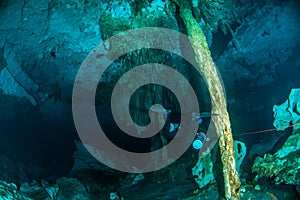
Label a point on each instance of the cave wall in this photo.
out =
(43, 43)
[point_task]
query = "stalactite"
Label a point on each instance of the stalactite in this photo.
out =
(221, 121)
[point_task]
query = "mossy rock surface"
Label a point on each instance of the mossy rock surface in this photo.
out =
(284, 165)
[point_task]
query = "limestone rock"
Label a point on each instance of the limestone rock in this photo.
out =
(240, 150)
(283, 165)
(85, 161)
(203, 171)
(35, 190)
(289, 112)
(253, 61)
(55, 38)
(52, 190)
(10, 192)
(71, 189)
(11, 171)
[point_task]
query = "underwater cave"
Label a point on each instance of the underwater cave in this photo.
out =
(149, 99)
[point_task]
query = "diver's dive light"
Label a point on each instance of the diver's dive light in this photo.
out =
(198, 141)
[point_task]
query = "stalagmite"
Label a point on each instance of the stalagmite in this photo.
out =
(221, 121)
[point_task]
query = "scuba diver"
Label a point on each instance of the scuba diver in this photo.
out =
(172, 127)
(200, 134)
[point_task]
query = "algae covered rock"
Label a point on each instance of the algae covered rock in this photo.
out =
(284, 165)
